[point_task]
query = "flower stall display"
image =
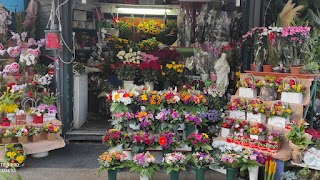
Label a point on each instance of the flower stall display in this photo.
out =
(278, 114)
(174, 162)
(199, 142)
(52, 130)
(201, 161)
(240, 127)
(256, 111)
(14, 156)
(112, 161)
(6, 136)
(247, 86)
(291, 91)
(168, 141)
(141, 140)
(115, 139)
(258, 131)
(226, 127)
(22, 134)
(144, 164)
(268, 86)
(237, 108)
(21, 117)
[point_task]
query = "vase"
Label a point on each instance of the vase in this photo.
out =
(51, 136)
(112, 174)
(267, 68)
(128, 85)
(189, 129)
(258, 68)
(295, 69)
(23, 139)
(35, 138)
(144, 177)
(11, 117)
(231, 173)
(253, 172)
(116, 148)
(7, 140)
(149, 85)
(268, 94)
(204, 77)
(200, 173)
(174, 175)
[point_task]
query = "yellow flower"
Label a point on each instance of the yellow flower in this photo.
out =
(289, 111)
(55, 129)
(173, 62)
(8, 154)
(20, 159)
(262, 110)
(12, 155)
(238, 74)
(163, 73)
(205, 135)
(144, 97)
(116, 96)
(170, 66)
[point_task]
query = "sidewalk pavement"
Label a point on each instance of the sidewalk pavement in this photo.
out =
(78, 161)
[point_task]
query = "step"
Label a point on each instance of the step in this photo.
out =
(85, 135)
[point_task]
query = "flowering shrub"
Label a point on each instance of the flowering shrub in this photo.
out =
(111, 161)
(144, 164)
(142, 140)
(278, 109)
(115, 137)
(199, 141)
(237, 104)
(256, 106)
(175, 161)
(201, 160)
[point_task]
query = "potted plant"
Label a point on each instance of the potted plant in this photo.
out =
(258, 132)
(145, 120)
(127, 72)
(168, 119)
(226, 126)
(174, 162)
(231, 161)
(251, 161)
(173, 74)
(268, 87)
(199, 142)
(298, 141)
(278, 114)
(8, 102)
(6, 136)
(191, 121)
(115, 139)
(275, 137)
(237, 108)
(201, 161)
(291, 91)
(144, 164)
(311, 67)
(141, 140)
(37, 113)
(52, 130)
(256, 111)
(35, 133)
(49, 101)
(247, 86)
(22, 134)
(112, 161)
(168, 141)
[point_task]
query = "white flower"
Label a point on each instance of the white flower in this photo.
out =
(139, 52)
(130, 50)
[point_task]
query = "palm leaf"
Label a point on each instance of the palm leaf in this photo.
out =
(288, 13)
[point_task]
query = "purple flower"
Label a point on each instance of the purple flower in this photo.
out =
(52, 109)
(42, 107)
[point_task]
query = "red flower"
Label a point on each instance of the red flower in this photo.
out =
(162, 140)
(169, 96)
(11, 84)
(292, 82)
(126, 95)
(30, 94)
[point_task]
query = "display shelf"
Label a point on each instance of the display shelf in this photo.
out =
(283, 75)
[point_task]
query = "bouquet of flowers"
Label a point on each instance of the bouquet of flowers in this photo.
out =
(251, 159)
(168, 140)
(291, 86)
(240, 126)
(269, 82)
(246, 83)
(278, 109)
(199, 141)
(201, 160)
(149, 68)
(142, 140)
(237, 104)
(227, 123)
(146, 120)
(258, 129)
(144, 164)
(175, 161)
(275, 136)
(111, 160)
(115, 137)
(256, 106)
(51, 128)
(22, 131)
(130, 57)
(150, 28)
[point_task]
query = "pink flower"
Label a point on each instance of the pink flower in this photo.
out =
(230, 160)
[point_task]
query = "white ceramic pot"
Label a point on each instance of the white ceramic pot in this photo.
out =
(144, 177)
(253, 172)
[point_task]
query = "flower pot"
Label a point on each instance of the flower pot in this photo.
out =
(7, 140)
(11, 117)
(149, 85)
(268, 94)
(144, 177)
(295, 69)
(128, 85)
(174, 175)
(252, 67)
(21, 119)
(116, 148)
(258, 68)
(23, 139)
(51, 136)
(267, 68)
(253, 172)
(112, 174)
(37, 119)
(231, 173)
(204, 77)
(35, 138)
(200, 173)
(189, 129)
(292, 97)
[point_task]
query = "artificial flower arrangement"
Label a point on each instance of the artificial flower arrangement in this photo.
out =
(149, 68)
(14, 155)
(278, 114)
(174, 162)
(144, 164)
(112, 160)
(256, 111)
(199, 141)
(115, 137)
(292, 91)
(173, 72)
(237, 108)
(141, 140)
(201, 159)
(240, 127)
(51, 128)
(169, 119)
(269, 82)
(258, 131)
(168, 141)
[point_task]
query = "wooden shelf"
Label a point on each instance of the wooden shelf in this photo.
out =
(283, 75)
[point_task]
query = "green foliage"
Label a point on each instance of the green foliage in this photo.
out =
(304, 173)
(118, 107)
(311, 68)
(247, 163)
(148, 171)
(297, 136)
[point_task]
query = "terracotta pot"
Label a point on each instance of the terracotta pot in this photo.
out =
(295, 69)
(267, 68)
(51, 136)
(23, 139)
(252, 67)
